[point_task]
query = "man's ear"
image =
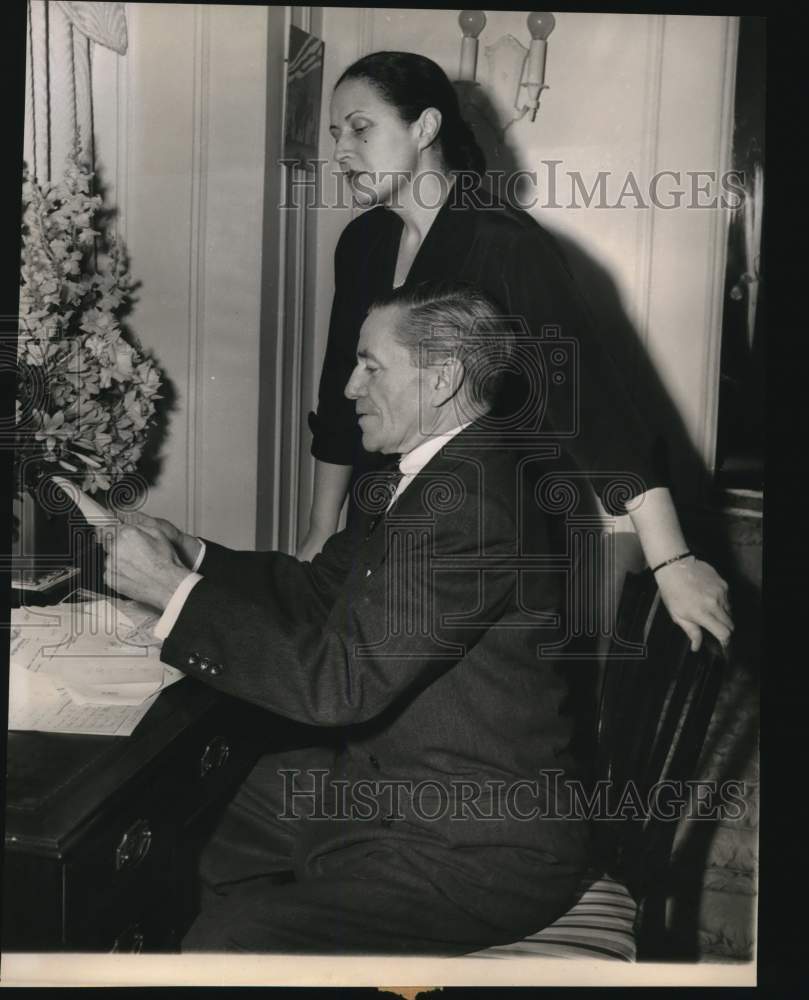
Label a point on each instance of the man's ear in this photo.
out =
(448, 378)
(428, 125)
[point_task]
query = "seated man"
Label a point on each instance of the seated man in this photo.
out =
(434, 819)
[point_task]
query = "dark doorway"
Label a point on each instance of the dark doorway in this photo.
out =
(740, 441)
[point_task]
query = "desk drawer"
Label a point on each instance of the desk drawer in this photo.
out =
(102, 832)
(121, 863)
(213, 760)
(124, 865)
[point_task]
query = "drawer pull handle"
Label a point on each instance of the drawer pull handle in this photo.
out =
(214, 755)
(134, 845)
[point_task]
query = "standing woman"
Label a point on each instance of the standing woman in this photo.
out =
(408, 156)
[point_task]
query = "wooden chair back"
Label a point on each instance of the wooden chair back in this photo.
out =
(657, 699)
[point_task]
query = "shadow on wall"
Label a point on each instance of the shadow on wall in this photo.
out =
(622, 340)
(712, 895)
(151, 461)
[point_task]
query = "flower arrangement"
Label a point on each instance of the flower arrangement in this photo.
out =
(85, 394)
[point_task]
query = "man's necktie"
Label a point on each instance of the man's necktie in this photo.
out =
(389, 478)
(392, 477)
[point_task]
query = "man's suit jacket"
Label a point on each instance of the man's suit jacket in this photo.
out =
(415, 635)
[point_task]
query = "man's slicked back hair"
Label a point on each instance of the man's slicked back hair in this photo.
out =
(456, 319)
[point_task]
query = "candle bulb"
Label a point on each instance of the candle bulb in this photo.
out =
(472, 22)
(540, 24)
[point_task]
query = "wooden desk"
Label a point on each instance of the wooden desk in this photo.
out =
(102, 832)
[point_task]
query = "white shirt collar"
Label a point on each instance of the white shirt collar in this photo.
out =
(414, 461)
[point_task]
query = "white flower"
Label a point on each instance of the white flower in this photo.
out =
(123, 362)
(99, 386)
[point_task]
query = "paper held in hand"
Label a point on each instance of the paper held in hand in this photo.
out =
(93, 512)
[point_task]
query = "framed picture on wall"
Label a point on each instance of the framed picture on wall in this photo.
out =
(304, 86)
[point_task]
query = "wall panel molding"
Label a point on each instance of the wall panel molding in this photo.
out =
(180, 146)
(316, 277)
(365, 33)
(274, 280)
(648, 159)
(232, 178)
(123, 126)
(287, 472)
(293, 332)
(198, 210)
(689, 244)
(716, 255)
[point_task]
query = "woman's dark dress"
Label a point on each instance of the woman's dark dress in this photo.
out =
(583, 405)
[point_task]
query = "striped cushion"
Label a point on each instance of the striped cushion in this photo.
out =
(600, 925)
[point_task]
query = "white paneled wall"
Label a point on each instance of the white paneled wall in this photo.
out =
(343, 30)
(628, 94)
(180, 141)
(188, 134)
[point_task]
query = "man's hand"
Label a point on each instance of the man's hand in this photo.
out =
(186, 546)
(696, 597)
(142, 564)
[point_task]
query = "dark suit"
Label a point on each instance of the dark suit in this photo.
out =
(584, 404)
(415, 641)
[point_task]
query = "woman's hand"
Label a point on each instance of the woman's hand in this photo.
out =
(694, 593)
(330, 488)
(187, 546)
(311, 545)
(696, 597)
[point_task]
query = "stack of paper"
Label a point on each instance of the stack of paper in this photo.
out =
(85, 667)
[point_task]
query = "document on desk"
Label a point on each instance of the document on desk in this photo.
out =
(88, 667)
(35, 703)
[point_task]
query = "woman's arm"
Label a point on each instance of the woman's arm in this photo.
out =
(694, 594)
(335, 433)
(611, 433)
(330, 488)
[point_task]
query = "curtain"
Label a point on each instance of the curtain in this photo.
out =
(58, 92)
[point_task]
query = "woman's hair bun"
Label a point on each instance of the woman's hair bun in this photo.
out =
(411, 83)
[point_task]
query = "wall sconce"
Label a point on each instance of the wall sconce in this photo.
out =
(516, 74)
(540, 24)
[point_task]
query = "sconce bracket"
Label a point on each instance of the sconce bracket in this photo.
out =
(532, 105)
(505, 60)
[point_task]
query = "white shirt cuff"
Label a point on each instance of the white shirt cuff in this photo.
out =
(200, 556)
(175, 605)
